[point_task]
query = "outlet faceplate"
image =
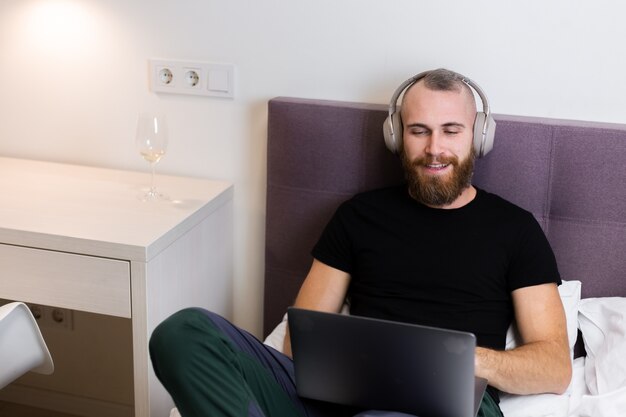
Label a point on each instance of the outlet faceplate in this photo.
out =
(195, 78)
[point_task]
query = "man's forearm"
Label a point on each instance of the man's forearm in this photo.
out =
(540, 367)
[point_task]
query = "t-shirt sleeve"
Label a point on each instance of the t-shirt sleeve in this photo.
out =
(334, 248)
(533, 262)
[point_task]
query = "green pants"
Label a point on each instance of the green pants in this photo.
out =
(214, 369)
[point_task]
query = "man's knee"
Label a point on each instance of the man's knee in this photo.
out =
(174, 340)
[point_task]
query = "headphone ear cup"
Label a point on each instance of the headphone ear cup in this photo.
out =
(483, 143)
(388, 134)
(489, 135)
(392, 131)
(479, 138)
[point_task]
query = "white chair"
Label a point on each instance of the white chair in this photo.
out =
(22, 347)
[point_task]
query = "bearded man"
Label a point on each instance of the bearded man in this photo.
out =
(436, 251)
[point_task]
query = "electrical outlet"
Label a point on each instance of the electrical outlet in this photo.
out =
(164, 76)
(52, 317)
(194, 78)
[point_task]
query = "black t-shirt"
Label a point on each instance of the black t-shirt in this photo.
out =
(452, 268)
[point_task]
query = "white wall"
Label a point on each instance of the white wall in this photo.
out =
(73, 75)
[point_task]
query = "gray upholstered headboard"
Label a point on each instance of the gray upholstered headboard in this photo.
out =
(571, 175)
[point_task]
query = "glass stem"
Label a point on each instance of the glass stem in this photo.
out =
(152, 187)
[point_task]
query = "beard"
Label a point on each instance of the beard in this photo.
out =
(438, 190)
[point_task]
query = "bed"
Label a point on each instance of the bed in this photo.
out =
(570, 174)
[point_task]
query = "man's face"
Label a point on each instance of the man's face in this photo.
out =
(437, 155)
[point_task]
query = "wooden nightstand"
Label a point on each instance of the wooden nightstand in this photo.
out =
(80, 238)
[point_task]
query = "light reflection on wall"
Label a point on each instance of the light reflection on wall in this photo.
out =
(61, 77)
(57, 27)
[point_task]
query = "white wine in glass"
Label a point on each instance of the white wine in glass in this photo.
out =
(151, 142)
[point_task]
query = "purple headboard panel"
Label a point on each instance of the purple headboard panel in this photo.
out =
(570, 175)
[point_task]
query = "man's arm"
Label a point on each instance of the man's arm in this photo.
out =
(323, 289)
(542, 362)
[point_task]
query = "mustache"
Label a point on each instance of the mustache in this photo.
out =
(430, 159)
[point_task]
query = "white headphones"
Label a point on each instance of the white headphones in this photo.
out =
(484, 125)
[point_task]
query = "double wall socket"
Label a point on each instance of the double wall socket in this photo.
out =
(195, 78)
(52, 317)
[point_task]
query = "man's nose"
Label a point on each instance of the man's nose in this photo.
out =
(433, 146)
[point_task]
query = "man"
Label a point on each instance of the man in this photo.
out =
(437, 252)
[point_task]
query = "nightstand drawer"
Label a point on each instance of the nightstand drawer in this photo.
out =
(77, 282)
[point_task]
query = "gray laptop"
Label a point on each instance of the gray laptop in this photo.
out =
(384, 365)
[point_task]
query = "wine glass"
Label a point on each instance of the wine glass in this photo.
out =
(151, 142)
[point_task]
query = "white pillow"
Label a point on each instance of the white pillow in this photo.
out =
(579, 386)
(570, 297)
(603, 325)
(537, 405)
(277, 336)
